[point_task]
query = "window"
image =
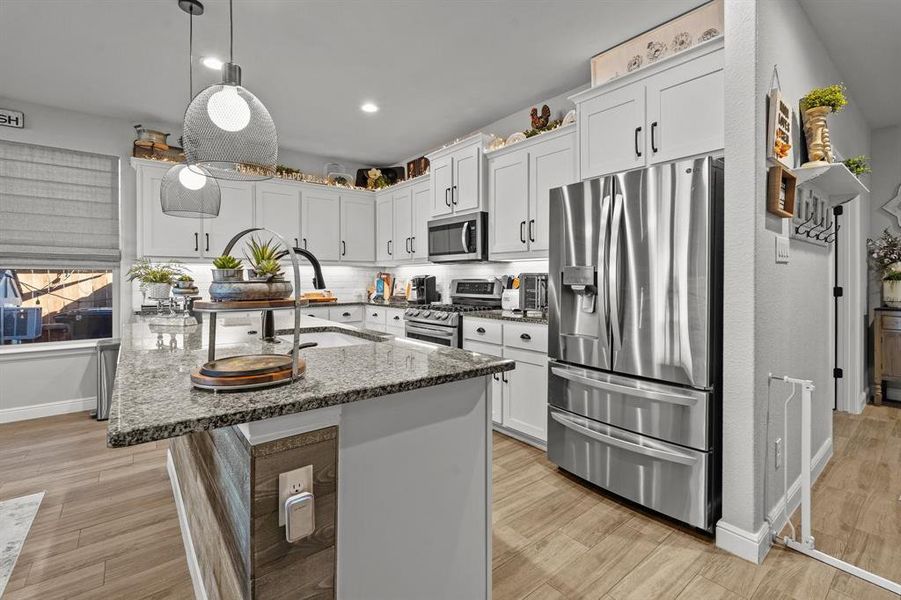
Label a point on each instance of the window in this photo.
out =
(55, 305)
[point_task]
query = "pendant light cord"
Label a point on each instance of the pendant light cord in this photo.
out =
(231, 32)
(190, 57)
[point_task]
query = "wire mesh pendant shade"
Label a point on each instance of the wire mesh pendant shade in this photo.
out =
(190, 192)
(230, 133)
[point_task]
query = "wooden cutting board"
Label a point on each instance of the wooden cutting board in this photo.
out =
(236, 382)
(245, 365)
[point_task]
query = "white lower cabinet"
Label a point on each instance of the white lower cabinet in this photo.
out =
(394, 322)
(518, 397)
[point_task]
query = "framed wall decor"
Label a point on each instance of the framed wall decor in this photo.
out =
(781, 188)
(779, 130)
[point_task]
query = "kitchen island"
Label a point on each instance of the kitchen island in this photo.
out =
(397, 434)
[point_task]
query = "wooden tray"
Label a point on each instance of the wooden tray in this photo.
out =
(237, 305)
(246, 365)
(246, 382)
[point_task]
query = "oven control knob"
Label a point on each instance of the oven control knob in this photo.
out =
(442, 316)
(412, 312)
(426, 313)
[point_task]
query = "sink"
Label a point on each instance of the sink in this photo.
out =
(326, 339)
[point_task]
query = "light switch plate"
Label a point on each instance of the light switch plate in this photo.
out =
(782, 250)
(291, 483)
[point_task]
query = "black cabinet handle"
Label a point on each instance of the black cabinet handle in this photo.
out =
(196, 241)
(296, 243)
(407, 246)
(454, 194)
(396, 318)
(446, 199)
(375, 314)
(637, 133)
(207, 249)
(480, 330)
(343, 248)
(389, 248)
(304, 243)
(413, 245)
(653, 138)
(345, 314)
(525, 337)
(532, 230)
(522, 232)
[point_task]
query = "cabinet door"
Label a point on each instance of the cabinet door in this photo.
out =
(551, 165)
(508, 201)
(466, 192)
(384, 224)
(525, 394)
(322, 224)
(442, 180)
(686, 109)
(235, 215)
(496, 390)
(403, 224)
(162, 235)
(357, 229)
(278, 209)
(612, 132)
(421, 214)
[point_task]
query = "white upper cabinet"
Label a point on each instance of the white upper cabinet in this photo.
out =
(160, 235)
(403, 223)
(685, 108)
(458, 177)
(357, 228)
(235, 215)
(421, 215)
(669, 110)
(278, 209)
(322, 223)
(519, 182)
(384, 226)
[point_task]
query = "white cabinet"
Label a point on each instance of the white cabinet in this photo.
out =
(350, 315)
(235, 215)
(357, 228)
(322, 223)
(518, 397)
(384, 225)
(403, 223)
(278, 208)
(669, 110)
(519, 184)
(421, 215)
(375, 317)
(394, 322)
(458, 183)
(160, 235)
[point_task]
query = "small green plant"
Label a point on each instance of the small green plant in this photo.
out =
(832, 96)
(147, 271)
(892, 276)
(185, 277)
(268, 268)
(859, 165)
(884, 252)
(227, 261)
(263, 251)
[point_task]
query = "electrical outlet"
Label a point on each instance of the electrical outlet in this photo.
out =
(782, 251)
(779, 453)
(291, 483)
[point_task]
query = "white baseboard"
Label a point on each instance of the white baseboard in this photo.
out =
(861, 402)
(777, 514)
(48, 409)
(751, 546)
(193, 565)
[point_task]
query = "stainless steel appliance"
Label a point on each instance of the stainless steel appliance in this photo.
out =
(634, 309)
(532, 291)
(462, 238)
(443, 323)
(424, 290)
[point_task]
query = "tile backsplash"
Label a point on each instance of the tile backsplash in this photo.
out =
(446, 272)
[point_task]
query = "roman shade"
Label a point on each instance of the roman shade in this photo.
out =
(58, 207)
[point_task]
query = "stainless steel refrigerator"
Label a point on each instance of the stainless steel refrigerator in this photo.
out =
(634, 306)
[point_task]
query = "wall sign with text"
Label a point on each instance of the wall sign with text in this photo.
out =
(12, 118)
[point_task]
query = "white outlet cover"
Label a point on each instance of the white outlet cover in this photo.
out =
(290, 483)
(782, 250)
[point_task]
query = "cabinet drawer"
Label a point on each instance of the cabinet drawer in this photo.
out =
(891, 323)
(483, 348)
(375, 315)
(529, 336)
(318, 312)
(483, 330)
(394, 317)
(346, 314)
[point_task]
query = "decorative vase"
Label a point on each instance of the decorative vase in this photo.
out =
(891, 293)
(183, 285)
(816, 132)
(228, 274)
(158, 291)
(231, 291)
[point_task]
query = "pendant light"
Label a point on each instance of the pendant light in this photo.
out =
(227, 130)
(189, 191)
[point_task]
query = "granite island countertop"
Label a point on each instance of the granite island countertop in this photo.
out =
(153, 398)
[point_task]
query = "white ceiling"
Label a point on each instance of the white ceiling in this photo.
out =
(438, 68)
(863, 40)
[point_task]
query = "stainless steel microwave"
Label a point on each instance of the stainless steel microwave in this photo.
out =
(461, 238)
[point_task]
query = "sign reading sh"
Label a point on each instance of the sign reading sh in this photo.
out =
(12, 118)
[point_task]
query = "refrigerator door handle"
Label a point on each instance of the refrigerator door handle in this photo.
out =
(613, 272)
(580, 426)
(660, 396)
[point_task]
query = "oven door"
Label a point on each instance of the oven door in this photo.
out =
(459, 239)
(435, 334)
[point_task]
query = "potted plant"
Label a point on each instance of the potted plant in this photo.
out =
(859, 165)
(264, 252)
(184, 282)
(818, 103)
(227, 268)
(155, 278)
(885, 257)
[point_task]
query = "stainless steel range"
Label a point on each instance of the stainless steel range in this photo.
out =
(443, 323)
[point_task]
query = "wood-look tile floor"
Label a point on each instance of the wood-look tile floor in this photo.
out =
(108, 529)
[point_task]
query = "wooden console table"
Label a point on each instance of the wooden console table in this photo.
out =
(887, 349)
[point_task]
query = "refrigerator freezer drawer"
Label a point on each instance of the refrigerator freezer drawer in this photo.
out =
(660, 476)
(669, 413)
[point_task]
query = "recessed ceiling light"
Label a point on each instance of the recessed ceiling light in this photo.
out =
(369, 107)
(211, 62)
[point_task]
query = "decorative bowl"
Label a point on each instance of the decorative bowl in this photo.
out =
(229, 291)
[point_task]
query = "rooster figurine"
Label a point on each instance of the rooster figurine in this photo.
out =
(542, 121)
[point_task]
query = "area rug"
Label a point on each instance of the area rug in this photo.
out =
(16, 516)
